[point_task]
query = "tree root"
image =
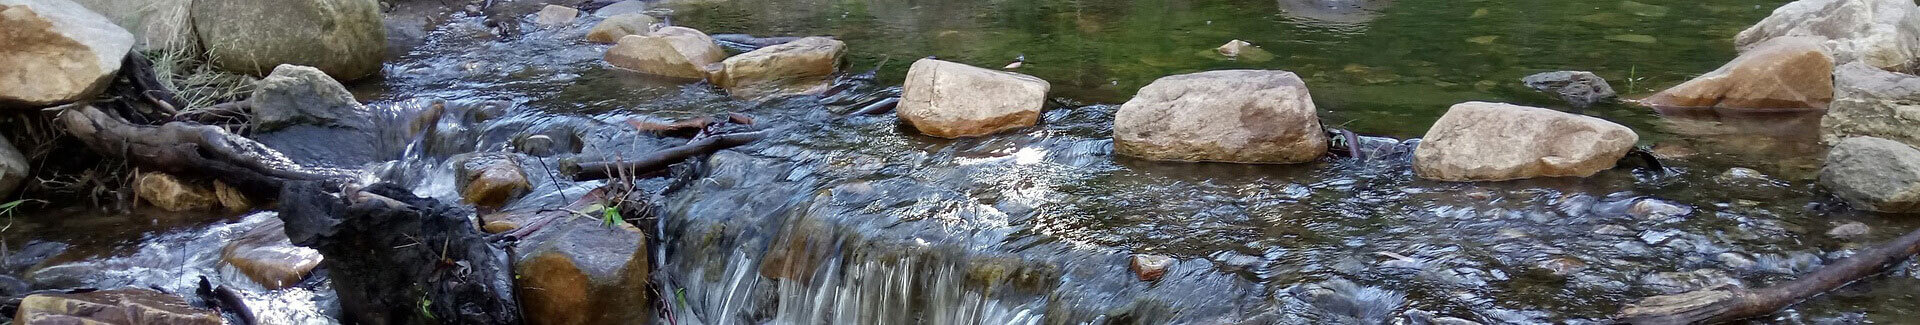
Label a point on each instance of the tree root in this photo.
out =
(1721, 305)
(186, 149)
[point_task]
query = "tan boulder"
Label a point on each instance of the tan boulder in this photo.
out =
(1881, 33)
(118, 306)
(490, 180)
(672, 51)
(613, 28)
(173, 194)
(579, 271)
(789, 68)
(1481, 141)
(556, 15)
(1783, 73)
(55, 52)
(1245, 116)
(265, 255)
(952, 100)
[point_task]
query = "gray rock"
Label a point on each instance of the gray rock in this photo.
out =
(1240, 116)
(1850, 230)
(1871, 102)
(56, 52)
(1874, 174)
(1657, 209)
(295, 95)
(538, 145)
(621, 8)
(1580, 88)
(345, 38)
(1881, 33)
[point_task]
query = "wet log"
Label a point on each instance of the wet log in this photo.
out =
(186, 149)
(660, 160)
(679, 129)
(1721, 305)
(396, 258)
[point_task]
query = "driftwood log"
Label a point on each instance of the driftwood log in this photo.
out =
(660, 160)
(1721, 305)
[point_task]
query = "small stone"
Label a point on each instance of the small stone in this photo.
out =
(1580, 88)
(556, 15)
(1850, 230)
(172, 194)
(231, 198)
(613, 28)
(1563, 266)
(1614, 230)
(1150, 267)
(1657, 209)
(538, 145)
(1233, 48)
(490, 180)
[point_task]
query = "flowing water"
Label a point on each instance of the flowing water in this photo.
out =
(842, 220)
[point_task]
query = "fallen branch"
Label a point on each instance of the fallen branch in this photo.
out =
(660, 160)
(1721, 305)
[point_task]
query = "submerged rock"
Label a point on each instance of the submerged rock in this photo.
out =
(1149, 267)
(1233, 48)
(1874, 174)
(1580, 88)
(344, 38)
(789, 68)
(490, 180)
(672, 51)
(172, 194)
(1481, 141)
(1881, 33)
(1784, 73)
(616, 27)
(1244, 116)
(953, 100)
(556, 15)
(118, 306)
(295, 95)
(56, 52)
(1872, 102)
(265, 255)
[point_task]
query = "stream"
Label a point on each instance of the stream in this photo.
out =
(838, 219)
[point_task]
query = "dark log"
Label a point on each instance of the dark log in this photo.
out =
(1721, 305)
(226, 300)
(395, 258)
(188, 149)
(660, 160)
(881, 106)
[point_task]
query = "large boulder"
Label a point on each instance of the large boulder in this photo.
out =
(672, 51)
(55, 52)
(14, 168)
(1872, 102)
(1783, 73)
(616, 27)
(1244, 116)
(952, 100)
(155, 24)
(1880, 33)
(118, 306)
(1481, 141)
(297, 95)
(580, 271)
(344, 38)
(1874, 174)
(788, 68)
(265, 255)
(1580, 88)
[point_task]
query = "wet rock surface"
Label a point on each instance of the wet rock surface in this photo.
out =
(582, 271)
(173, 194)
(119, 306)
(1245, 116)
(57, 52)
(1872, 102)
(1580, 88)
(344, 38)
(265, 255)
(1874, 174)
(1479, 141)
(952, 100)
(490, 180)
(673, 51)
(1781, 73)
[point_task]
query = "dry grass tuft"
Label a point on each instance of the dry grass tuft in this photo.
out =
(195, 82)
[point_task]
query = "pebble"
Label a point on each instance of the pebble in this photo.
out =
(1850, 230)
(1563, 266)
(1150, 267)
(1657, 209)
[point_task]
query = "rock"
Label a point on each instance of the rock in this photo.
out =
(118, 306)
(1614, 230)
(578, 271)
(1563, 266)
(1656, 209)
(1736, 261)
(789, 68)
(231, 198)
(490, 180)
(1677, 282)
(538, 145)
(953, 100)
(56, 52)
(1580, 88)
(1849, 230)
(1881, 33)
(613, 28)
(265, 255)
(621, 9)
(172, 194)
(1243, 116)
(1481, 141)
(671, 51)
(1233, 48)
(556, 15)
(344, 38)
(1872, 102)
(1149, 267)
(295, 95)
(1874, 174)
(154, 24)
(13, 168)
(1785, 73)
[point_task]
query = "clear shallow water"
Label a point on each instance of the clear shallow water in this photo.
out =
(860, 220)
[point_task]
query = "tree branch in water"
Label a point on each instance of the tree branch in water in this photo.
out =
(1713, 306)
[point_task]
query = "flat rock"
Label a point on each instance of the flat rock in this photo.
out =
(1481, 141)
(266, 256)
(1242, 116)
(671, 51)
(953, 100)
(1783, 73)
(56, 52)
(1874, 174)
(118, 306)
(1872, 102)
(1880, 33)
(789, 68)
